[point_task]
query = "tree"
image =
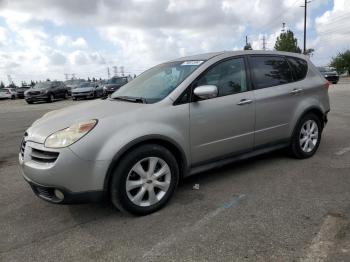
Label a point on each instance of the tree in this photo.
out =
(341, 62)
(2, 85)
(248, 46)
(287, 42)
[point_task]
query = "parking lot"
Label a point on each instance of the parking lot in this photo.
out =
(269, 208)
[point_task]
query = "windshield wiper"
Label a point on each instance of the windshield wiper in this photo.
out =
(131, 99)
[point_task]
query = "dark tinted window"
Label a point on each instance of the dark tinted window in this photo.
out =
(229, 76)
(299, 67)
(270, 71)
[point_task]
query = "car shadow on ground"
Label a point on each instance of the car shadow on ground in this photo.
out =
(93, 211)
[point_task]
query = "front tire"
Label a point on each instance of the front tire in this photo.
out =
(306, 136)
(144, 180)
(50, 98)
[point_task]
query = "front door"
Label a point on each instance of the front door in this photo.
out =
(223, 125)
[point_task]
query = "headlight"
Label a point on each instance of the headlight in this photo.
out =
(70, 135)
(325, 75)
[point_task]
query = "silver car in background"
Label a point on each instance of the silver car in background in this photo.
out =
(87, 90)
(9, 93)
(176, 119)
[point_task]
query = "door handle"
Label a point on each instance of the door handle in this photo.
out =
(244, 102)
(296, 91)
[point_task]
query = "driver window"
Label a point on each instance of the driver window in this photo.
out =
(229, 77)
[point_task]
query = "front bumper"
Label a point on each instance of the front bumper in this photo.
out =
(48, 194)
(83, 95)
(79, 180)
(34, 98)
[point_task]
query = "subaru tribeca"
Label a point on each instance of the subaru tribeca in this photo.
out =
(176, 119)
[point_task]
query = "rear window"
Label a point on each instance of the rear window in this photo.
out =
(299, 67)
(270, 71)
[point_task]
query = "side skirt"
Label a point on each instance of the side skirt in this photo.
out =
(217, 163)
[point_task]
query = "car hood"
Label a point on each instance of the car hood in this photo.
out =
(60, 119)
(82, 89)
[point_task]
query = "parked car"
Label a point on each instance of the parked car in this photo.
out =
(114, 84)
(176, 119)
(87, 90)
(46, 91)
(73, 83)
(330, 74)
(8, 93)
(20, 91)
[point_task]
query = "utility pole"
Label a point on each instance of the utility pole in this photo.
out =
(9, 78)
(115, 69)
(264, 42)
(122, 70)
(305, 17)
(108, 73)
(283, 27)
(246, 40)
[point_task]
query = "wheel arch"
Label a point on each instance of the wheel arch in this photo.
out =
(168, 143)
(314, 110)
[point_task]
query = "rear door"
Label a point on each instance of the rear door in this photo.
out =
(223, 125)
(276, 96)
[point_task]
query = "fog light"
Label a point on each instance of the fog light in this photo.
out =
(59, 194)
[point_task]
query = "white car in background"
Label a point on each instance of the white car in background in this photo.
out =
(8, 93)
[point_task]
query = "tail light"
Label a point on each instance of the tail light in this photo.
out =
(326, 85)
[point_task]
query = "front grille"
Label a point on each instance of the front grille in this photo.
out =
(23, 144)
(82, 93)
(34, 93)
(43, 156)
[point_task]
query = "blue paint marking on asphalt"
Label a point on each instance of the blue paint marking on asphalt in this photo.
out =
(234, 201)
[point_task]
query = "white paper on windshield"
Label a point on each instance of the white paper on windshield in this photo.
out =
(192, 63)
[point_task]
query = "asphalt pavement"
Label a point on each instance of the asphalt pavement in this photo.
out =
(269, 208)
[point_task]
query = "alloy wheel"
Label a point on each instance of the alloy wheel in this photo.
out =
(148, 181)
(308, 137)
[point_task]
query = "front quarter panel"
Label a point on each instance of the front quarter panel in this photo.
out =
(112, 134)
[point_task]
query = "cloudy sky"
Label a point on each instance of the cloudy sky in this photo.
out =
(43, 38)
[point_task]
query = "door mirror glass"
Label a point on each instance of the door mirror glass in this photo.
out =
(206, 91)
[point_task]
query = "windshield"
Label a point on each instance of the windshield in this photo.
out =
(42, 85)
(117, 80)
(157, 82)
(85, 85)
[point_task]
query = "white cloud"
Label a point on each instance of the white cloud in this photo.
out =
(64, 40)
(333, 31)
(149, 31)
(4, 38)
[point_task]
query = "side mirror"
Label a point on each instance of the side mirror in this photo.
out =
(206, 91)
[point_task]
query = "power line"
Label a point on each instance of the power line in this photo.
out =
(276, 19)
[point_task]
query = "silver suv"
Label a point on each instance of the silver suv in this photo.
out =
(174, 120)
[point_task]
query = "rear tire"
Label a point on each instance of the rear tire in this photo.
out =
(306, 137)
(154, 170)
(29, 102)
(13, 97)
